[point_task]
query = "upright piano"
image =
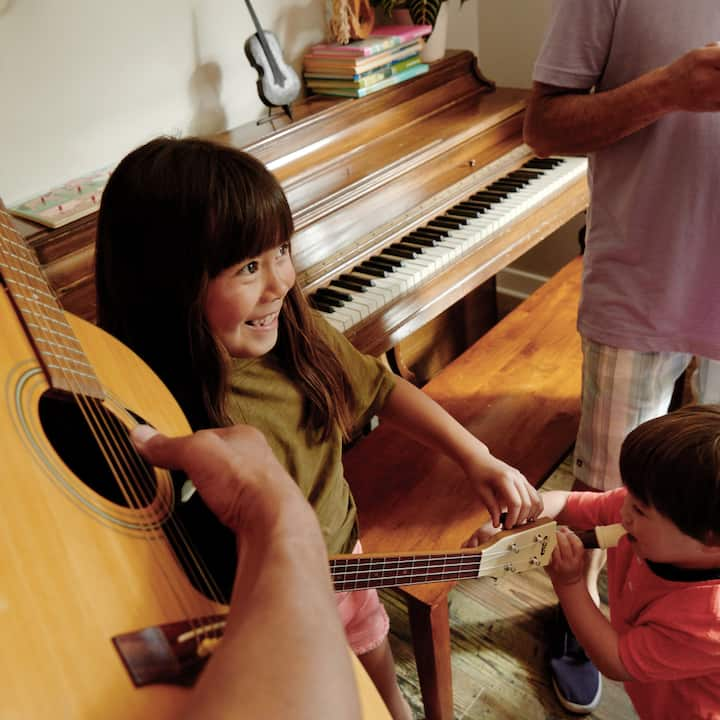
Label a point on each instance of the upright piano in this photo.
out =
(404, 201)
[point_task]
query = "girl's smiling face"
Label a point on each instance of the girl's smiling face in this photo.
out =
(243, 302)
(655, 537)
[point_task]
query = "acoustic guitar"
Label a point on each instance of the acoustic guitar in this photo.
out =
(106, 610)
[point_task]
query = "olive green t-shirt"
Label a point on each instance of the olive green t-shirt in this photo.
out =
(264, 397)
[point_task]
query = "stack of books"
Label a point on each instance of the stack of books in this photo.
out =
(389, 56)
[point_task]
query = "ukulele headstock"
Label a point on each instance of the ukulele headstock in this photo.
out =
(518, 550)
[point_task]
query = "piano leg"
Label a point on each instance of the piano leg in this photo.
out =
(430, 626)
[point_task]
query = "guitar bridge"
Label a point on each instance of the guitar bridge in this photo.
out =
(173, 653)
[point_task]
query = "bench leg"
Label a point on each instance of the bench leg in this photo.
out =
(430, 627)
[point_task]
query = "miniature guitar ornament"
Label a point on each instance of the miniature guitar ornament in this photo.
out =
(278, 84)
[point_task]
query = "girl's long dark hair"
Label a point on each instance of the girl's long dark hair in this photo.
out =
(174, 214)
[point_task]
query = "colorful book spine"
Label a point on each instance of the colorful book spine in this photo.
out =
(358, 48)
(404, 32)
(317, 80)
(387, 82)
(356, 66)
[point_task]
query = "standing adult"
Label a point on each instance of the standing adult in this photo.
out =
(635, 84)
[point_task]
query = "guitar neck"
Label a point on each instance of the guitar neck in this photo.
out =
(510, 551)
(56, 347)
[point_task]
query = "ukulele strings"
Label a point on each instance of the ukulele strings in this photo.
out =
(439, 564)
(120, 454)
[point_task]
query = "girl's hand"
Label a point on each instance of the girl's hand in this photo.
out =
(567, 565)
(503, 488)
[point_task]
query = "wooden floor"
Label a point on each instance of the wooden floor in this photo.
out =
(498, 648)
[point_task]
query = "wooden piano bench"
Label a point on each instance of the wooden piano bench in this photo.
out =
(517, 389)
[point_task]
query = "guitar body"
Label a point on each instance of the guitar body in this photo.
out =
(78, 569)
(277, 86)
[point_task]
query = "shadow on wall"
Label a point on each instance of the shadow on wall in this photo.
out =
(209, 116)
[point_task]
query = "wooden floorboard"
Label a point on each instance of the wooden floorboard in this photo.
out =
(498, 639)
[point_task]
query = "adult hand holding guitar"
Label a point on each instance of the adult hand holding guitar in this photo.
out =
(283, 605)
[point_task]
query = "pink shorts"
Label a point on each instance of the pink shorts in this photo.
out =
(363, 616)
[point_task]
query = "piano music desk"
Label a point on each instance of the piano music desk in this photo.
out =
(517, 389)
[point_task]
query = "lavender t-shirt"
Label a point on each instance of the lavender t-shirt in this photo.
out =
(651, 279)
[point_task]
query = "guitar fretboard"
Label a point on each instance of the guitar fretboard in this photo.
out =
(56, 346)
(379, 572)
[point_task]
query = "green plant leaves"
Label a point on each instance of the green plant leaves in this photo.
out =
(424, 12)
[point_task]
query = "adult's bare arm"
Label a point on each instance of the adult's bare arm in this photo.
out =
(567, 121)
(284, 652)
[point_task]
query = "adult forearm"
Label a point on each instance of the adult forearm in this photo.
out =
(561, 120)
(576, 124)
(284, 651)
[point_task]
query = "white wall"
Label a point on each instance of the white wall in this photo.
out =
(84, 81)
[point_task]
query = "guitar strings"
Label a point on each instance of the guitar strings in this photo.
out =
(354, 573)
(115, 446)
(464, 558)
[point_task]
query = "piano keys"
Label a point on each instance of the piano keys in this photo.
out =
(423, 253)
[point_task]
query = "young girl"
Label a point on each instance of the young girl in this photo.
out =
(194, 273)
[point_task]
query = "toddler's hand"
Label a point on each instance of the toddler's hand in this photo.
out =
(567, 565)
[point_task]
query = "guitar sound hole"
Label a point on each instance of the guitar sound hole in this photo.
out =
(118, 474)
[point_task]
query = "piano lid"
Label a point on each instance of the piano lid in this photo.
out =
(362, 161)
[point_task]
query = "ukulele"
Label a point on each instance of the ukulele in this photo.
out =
(278, 84)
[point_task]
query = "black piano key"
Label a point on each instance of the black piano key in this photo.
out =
(476, 205)
(354, 286)
(526, 174)
(464, 212)
(432, 232)
(363, 281)
(418, 239)
(543, 163)
(518, 180)
(446, 222)
(386, 261)
(320, 305)
(370, 269)
(503, 187)
(331, 292)
(461, 221)
(510, 182)
(399, 253)
(492, 197)
(329, 300)
(400, 246)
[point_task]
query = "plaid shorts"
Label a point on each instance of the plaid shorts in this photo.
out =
(363, 616)
(622, 389)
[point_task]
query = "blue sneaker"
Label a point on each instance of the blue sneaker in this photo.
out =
(576, 681)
